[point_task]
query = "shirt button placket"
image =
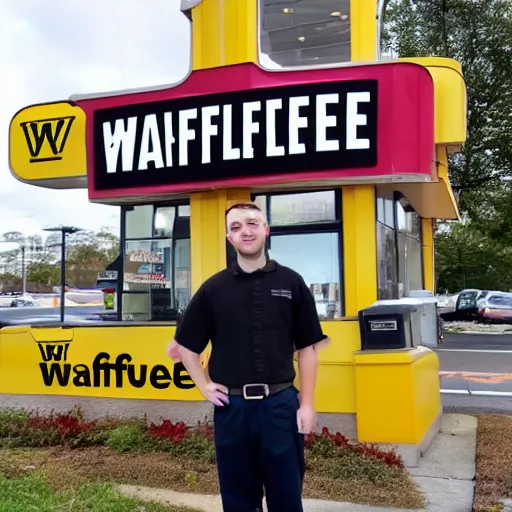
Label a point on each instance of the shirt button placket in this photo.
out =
(257, 323)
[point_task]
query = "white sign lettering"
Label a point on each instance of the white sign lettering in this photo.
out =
(354, 119)
(316, 125)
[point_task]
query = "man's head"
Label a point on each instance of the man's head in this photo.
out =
(247, 229)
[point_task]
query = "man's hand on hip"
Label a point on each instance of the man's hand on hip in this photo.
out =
(215, 393)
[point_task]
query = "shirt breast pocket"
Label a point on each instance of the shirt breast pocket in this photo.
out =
(281, 302)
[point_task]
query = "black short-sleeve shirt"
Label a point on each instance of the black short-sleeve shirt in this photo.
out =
(255, 322)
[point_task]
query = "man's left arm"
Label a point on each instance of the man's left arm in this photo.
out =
(308, 338)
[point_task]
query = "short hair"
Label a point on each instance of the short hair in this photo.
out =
(247, 206)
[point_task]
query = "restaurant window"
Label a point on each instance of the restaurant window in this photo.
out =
(409, 247)
(156, 262)
(399, 248)
(305, 235)
(387, 257)
(303, 33)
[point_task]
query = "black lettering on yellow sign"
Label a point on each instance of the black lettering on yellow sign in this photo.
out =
(46, 138)
(103, 372)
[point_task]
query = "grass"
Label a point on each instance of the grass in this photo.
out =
(65, 470)
(33, 493)
(493, 462)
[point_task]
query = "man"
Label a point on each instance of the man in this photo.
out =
(256, 314)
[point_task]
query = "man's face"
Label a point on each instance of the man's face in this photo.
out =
(247, 231)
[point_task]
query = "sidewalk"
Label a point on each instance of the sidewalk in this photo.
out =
(445, 476)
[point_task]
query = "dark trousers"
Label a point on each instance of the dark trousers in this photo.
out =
(258, 446)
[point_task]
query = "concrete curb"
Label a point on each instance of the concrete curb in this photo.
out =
(212, 503)
(486, 333)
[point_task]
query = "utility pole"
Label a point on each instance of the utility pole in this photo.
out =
(23, 270)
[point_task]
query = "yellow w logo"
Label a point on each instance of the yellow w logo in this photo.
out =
(46, 138)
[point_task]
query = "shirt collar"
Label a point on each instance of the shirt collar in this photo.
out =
(270, 266)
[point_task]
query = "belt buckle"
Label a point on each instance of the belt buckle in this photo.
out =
(266, 391)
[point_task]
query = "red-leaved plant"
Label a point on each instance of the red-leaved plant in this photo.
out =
(73, 430)
(391, 458)
(65, 424)
(174, 432)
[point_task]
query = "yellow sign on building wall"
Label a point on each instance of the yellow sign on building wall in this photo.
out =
(111, 362)
(47, 145)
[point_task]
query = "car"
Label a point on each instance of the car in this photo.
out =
(496, 308)
(24, 301)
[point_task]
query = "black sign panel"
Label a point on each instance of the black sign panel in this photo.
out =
(291, 129)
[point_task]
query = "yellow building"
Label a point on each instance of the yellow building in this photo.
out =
(287, 105)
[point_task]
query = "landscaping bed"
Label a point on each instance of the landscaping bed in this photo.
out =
(66, 452)
(493, 462)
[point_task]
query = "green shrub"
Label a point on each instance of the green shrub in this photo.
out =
(12, 421)
(127, 438)
(351, 465)
(195, 446)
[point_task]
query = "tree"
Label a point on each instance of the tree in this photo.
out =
(9, 282)
(90, 253)
(42, 275)
(468, 258)
(87, 253)
(478, 34)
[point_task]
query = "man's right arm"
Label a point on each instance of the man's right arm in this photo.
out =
(192, 362)
(192, 336)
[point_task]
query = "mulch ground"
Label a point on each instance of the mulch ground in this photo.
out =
(493, 462)
(65, 469)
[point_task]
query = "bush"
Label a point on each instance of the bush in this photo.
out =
(350, 465)
(329, 445)
(127, 438)
(11, 421)
(175, 433)
(334, 451)
(179, 439)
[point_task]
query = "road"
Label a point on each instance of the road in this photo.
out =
(476, 373)
(71, 313)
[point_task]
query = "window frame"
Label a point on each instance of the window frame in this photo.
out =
(332, 226)
(123, 239)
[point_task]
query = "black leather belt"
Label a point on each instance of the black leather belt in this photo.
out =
(259, 391)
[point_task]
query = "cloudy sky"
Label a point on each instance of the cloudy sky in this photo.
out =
(51, 50)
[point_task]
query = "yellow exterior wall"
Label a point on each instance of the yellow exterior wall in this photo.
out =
(335, 390)
(224, 33)
(363, 27)
(398, 395)
(22, 363)
(449, 99)
(21, 360)
(359, 247)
